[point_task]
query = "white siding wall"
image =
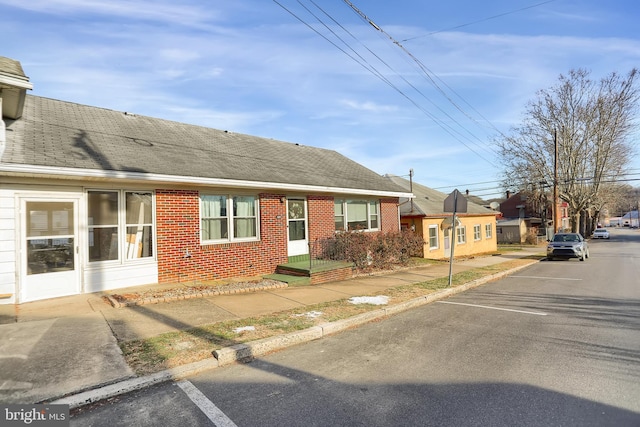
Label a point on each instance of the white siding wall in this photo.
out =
(7, 246)
(105, 279)
(95, 278)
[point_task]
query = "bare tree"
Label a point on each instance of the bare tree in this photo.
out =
(592, 121)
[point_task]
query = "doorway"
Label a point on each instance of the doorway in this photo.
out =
(49, 260)
(297, 242)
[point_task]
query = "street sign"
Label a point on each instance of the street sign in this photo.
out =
(448, 221)
(455, 202)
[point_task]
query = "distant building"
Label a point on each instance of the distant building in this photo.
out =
(475, 232)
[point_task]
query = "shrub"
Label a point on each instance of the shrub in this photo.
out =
(370, 251)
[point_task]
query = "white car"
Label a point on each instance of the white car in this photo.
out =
(601, 233)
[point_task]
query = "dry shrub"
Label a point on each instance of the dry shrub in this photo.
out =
(370, 251)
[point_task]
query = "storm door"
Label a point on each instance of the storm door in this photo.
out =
(297, 227)
(50, 252)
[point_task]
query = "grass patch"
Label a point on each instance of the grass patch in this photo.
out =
(178, 348)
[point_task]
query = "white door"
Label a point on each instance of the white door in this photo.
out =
(297, 227)
(447, 242)
(49, 266)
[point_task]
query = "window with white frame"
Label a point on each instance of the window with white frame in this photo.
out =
(477, 232)
(227, 218)
(338, 214)
(433, 237)
(488, 231)
(356, 214)
(461, 234)
(120, 225)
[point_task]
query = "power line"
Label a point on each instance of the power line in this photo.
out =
(365, 64)
(479, 21)
(425, 71)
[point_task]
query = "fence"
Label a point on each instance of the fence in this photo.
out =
(326, 251)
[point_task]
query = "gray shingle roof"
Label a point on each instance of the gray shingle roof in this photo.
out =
(429, 202)
(12, 68)
(66, 135)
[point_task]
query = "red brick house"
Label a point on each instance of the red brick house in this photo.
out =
(534, 217)
(94, 199)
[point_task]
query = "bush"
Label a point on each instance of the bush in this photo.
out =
(369, 251)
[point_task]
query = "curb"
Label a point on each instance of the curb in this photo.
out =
(133, 384)
(248, 351)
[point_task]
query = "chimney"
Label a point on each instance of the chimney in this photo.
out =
(508, 194)
(13, 87)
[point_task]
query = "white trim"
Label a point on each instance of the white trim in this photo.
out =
(479, 232)
(230, 219)
(435, 227)
(16, 82)
(45, 171)
(27, 290)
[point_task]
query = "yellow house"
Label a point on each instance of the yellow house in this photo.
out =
(475, 231)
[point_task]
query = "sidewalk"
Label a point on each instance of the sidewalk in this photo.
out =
(67, 345)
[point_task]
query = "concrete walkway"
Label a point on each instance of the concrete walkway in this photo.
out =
(66, 346)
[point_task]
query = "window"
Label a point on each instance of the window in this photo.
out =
(373, 215)
(433, 237)
(477, 234)
(139, 225)
(338, 214)
(225, 218)
(488, 231)
(358, 214)
(461, 234)
(120, 225)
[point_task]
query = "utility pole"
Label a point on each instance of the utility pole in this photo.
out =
(411, 186)
(556, 210)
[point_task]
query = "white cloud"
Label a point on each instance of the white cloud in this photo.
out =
(368, 106)
(168, 11)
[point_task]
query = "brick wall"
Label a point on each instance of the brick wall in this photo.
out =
(178, 230)
(321, 217)
(389, 215)
(178, 234)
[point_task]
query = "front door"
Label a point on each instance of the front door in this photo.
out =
(447, 242)
(297, 227)
(49, 266)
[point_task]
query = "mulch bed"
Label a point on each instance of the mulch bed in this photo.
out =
(153, 296)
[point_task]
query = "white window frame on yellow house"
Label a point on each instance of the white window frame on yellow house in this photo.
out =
(433, 228)
(461, 235)
(477, 232)
(488, 231)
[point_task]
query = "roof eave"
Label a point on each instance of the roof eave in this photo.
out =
(15, 82)
(33, 171)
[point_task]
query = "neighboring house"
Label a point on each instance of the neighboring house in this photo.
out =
(512, 230)
(532, 214)
(475, 232)
(631, 219)
(94, 199)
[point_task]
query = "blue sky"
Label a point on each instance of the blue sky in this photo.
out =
(315, 73)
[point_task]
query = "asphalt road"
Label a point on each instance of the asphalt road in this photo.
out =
(557, 344)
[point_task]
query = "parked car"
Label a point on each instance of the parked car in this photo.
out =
(568, 245)
(601, 233)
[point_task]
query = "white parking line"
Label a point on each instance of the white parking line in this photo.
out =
(206, 406)
(546, 278)
(494, 308)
